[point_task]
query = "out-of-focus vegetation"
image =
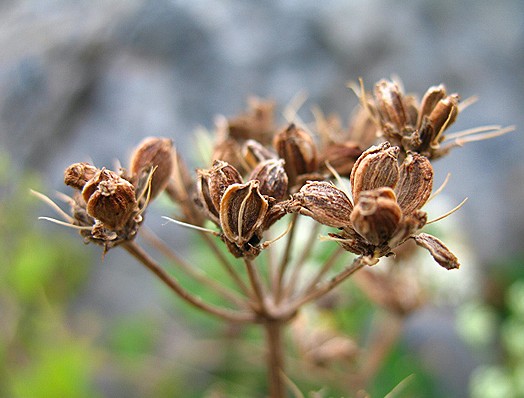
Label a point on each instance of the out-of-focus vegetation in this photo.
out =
(494, 327)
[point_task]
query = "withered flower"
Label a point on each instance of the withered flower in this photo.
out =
(419, 126)
(386, 208)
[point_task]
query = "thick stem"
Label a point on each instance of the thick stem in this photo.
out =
(275, 358)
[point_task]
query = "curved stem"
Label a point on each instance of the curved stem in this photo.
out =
(256, 284)
(229, 315)
(325, 268)
(151, 238)
(225, 263)
(329, 285)
(285, 260)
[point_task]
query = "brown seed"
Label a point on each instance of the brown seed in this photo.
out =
(438, 250)
(272, 177)
(242, 212)
(78, 174)
(153, 152)
(377, 167)
(376, 215)
(110, 199)
(415, 183)
(323, 202)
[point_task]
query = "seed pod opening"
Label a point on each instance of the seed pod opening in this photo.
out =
(415, 183)
(242, 212)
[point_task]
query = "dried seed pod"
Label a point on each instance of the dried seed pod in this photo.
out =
(431, 98)
(342, 156)
(438, 250)
(415, 183)
(110, 199)
(229, 151)
(443, 115)
(377, 167)
(323, 202)
(212, 184)
(298, 150)
(389, 103)
(242, 212)
(272, 177)
(78, 174)
(376, 215)
(255, 153)
(153, 152)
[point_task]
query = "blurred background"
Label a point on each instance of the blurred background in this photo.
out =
(87, 80)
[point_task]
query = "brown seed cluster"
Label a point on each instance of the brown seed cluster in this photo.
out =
(259, 172)
(386, 206)
(108, 206)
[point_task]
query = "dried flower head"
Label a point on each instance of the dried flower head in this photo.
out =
(386, 208)
(419, 127)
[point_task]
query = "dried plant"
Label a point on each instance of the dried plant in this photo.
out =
(258, 174)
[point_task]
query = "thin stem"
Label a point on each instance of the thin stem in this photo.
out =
(256, 284)
(151, 238)
(225, 263)
(275, 358)
(385, 336)
(328, 264)
(326, 287)
(285, 260)
(229, 315)
(299, 264)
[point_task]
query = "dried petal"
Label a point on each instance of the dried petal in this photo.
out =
(438, 250)
(242, 212)
(110, 199)
(154, 152)
(415, 183)
(377, 167)
(272, 177)
(78, 174)
(298, 150)
(376, 215)
(323, 202)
